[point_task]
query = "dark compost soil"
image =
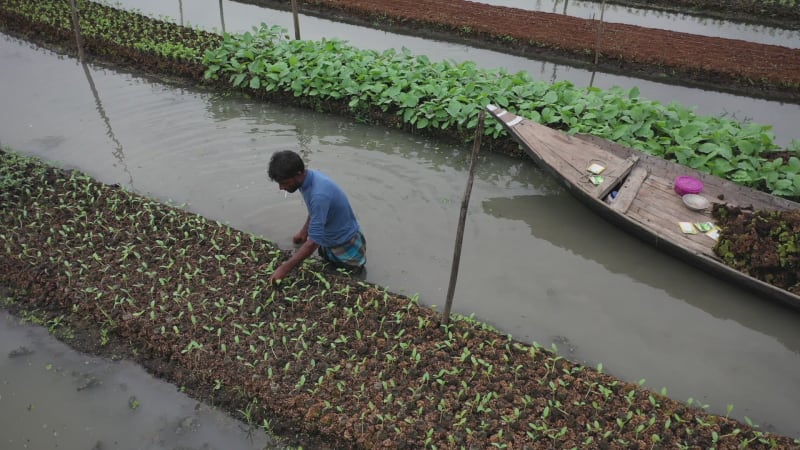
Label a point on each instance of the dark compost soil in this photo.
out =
(345, 362)
(763, 244)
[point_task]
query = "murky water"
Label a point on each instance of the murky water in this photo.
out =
(535, 263)
(206, 12)
(52, 397)
(659, 19)
(238, 17)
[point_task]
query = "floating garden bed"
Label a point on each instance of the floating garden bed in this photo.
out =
(346, 362)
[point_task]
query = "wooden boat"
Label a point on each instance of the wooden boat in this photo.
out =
(644, 200)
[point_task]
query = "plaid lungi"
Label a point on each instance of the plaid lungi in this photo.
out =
(352, 254)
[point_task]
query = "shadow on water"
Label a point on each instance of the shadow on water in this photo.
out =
(118, 152)
(565, 225)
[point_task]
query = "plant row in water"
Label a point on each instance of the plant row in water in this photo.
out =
(333, 355)
(440, 97)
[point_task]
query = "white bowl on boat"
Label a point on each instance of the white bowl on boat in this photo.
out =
(695, 202)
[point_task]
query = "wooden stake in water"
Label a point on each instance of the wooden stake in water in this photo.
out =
(221, 16)
(296, 21)
(77, 27)
(597, 42)
(599, 33)
(462, 218)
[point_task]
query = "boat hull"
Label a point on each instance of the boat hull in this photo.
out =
(634, 191)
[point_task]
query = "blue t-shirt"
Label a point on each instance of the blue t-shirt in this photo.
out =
(332, 222)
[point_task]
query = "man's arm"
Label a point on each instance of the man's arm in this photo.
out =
(302, 235)
(307, 249)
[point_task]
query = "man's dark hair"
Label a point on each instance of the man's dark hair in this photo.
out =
(285, 164)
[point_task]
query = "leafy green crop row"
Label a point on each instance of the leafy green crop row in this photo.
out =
(444, 95)
(129, 29)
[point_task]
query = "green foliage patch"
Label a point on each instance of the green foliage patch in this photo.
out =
(442, 96)
(447, 95)
(125, 28)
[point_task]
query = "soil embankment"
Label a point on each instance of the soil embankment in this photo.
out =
(347, 362)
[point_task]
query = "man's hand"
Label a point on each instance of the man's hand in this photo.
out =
(307, 249)
(279, 274)
(300, 237)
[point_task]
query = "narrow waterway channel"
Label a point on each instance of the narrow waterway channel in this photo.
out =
(535, 263)
(53, 397)
(239, 17)
(659, 19)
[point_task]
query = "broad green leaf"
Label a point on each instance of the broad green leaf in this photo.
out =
(619, 132)
(238, 79)
(549, 98)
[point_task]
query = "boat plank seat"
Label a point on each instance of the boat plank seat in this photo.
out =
(664, 219)
(572, 165)
(629, 189)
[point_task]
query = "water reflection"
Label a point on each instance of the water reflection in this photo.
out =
(210, 151)
(564, 222)
(118, 152)
(242, 17)
(654, 18)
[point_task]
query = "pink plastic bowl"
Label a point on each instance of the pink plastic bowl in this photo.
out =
(688, 185)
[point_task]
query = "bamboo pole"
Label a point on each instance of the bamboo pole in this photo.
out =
(221, 16)
(597, 42)
(462, 218)
(599, 33)
(77, 27)
(296, 20)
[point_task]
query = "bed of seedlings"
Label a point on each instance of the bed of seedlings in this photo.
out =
(130, 38)
(422, 95)
(338, 358)
(332, 356)
(763, 244)
(778, 13)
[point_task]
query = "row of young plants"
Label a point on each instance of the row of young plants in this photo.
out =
(441, 97)
(446, 95)
(341, 358)
(128, 29)
(783, 12)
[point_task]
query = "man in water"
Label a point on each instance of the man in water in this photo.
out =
(331, 226)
